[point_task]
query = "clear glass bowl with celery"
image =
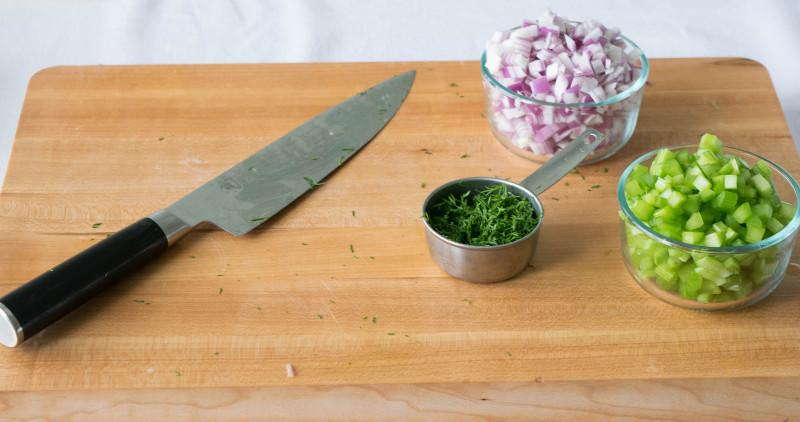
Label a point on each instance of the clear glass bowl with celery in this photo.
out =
(707, 227)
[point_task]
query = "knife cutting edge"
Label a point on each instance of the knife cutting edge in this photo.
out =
(237, 201)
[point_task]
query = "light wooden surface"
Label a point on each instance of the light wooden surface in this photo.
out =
(217, 318)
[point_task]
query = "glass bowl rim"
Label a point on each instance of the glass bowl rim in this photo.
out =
(776, 238)
(635, 87)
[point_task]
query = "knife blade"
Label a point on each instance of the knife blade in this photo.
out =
(237, 201)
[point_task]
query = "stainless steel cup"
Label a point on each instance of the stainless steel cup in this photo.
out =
(489, 264)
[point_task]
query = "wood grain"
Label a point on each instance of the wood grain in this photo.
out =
(110, 144)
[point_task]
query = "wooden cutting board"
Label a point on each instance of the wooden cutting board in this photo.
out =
(340, 284)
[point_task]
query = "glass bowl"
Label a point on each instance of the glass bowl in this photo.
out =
(748, 273)
(516, 120)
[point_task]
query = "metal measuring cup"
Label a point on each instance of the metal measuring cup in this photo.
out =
(489, 264)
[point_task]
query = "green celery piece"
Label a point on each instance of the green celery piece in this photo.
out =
(710, 286)
(711, 142)
(642, 209)
(632, 188)
(706, 195)
(725, 201)
(763, 211)
(763, 169)
(744, 290)
(701, 183)
(678, 254)
(768, 253)
(785, 213)
(761, 184)
(682, 157)
(690, 174)
(692, 237)
(754, 234)
(714, 240)
(719, 227)
(653, 198)
(746, 191)
(712, 264)
(774, 225)
(662, 184)
(694, 222)
(667, 213)
(730, 236)
(731, 167)
(671, 167)
(676, 199)
(692, 204)
(732, 265)
(730, 181)
(742, 213)
(690, 281)
(709, 214)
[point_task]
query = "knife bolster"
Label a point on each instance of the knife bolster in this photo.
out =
(172, 226)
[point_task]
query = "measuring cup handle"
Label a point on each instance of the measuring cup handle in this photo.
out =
(562, 162)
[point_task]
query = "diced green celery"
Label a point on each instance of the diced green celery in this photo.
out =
(774, 225)
(676, 199)
(662, 184)
(746, 259)
(768, 253)
(690, 174)
(632, 188)
(725, 201)
(730, 181)
(754, 234)
(669, 228)
(763, 169)
(763, 211)
(785, 213)
(711, 287)
(706, 157)
(678, 254)
(690, 282)
(731, 264)
(711, 142)
(701, 183)
(719, 227)
(742, 213)
(693, 237)
(692, 204)
(637, 171)
(713, 264)
(649, 180)
(709, 213)
(754, 221)
(714, 240)
(761, 184)
(731, 167)
(744, 290)
(642, 210)
(730, 236)
(704, 297)
(706, 195)
(654, 199)
(667, 213)
(694, 222)
(682, 157)
(678, 179)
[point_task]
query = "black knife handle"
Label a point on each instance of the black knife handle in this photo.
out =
(47, 298)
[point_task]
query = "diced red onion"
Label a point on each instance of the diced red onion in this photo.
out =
(555, 60)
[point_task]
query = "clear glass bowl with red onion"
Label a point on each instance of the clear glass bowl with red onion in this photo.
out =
(547, 81)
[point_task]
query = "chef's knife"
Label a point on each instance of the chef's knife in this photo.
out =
(237, 201)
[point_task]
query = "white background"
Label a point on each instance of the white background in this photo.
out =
(38, 34)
